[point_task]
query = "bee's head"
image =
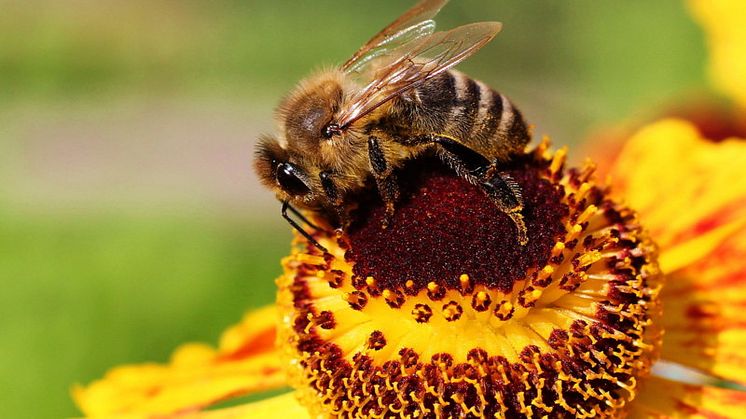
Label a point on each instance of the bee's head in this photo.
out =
(307, 114)
(279, 171)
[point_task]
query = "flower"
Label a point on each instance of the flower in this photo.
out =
(587, 337)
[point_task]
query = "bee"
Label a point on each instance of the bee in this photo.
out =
(393, 100)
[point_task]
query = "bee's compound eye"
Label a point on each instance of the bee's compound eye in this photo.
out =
(331, 130)
(287, 178)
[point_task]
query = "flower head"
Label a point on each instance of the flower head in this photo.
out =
(403, 321)
(443, 313)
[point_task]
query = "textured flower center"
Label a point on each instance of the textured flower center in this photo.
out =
(448, 228)
(444, 314)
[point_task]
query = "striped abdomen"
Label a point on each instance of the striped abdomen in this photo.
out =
(468, 110)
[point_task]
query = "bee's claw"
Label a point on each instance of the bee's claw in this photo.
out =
(389, 215)
(520, 225)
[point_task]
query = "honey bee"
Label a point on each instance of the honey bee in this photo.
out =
(393, 100)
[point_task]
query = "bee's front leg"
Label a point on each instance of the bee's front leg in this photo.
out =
(334, 197)
(385, 178)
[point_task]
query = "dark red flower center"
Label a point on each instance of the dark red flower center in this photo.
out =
(445, 227)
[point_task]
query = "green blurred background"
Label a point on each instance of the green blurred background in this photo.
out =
(130, 220)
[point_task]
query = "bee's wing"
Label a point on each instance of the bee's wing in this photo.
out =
(414, 63)
(413, 24)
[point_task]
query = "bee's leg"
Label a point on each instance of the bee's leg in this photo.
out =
(385, 178)
(466, 162)
(478, 170)
(506, 193)
(333, 195)
(285, 206)
(390, 194)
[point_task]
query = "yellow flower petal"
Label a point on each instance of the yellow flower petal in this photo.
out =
(724, 22)
(661, 398)
(285, 406)
(690, 192)
(197, 375)
(704, 306)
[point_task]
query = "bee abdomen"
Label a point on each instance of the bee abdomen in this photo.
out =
(473, 113)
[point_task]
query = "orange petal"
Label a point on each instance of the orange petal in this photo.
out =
(703, 313)
(661, 398)
(724, 22)
(690, 192)
(197, 376)
(285, 406)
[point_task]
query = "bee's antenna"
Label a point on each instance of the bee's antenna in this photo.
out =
(302, 217)
(285, 206)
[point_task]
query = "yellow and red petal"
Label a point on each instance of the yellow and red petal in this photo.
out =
(724, 22)
(285, 406)
(661, 398)
(197, 375)
(704, 306)
(690, 191)
(692, 195)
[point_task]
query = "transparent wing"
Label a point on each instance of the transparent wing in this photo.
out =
(414, 63)
(413, 24)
